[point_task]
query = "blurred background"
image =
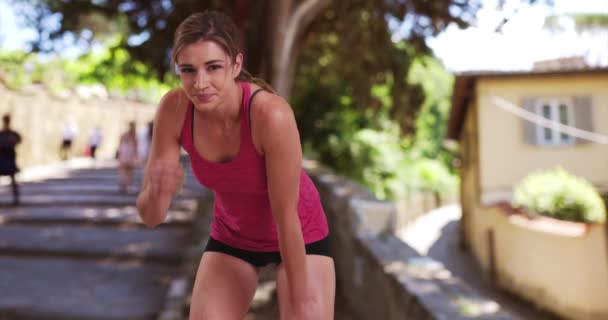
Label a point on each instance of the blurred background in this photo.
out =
(477, 130)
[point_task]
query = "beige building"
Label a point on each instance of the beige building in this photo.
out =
(495, 116)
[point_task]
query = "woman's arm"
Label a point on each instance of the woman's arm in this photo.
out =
(163, 174)
(280, 144)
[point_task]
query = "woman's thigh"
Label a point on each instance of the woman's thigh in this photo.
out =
(223, 289)
(322, 279)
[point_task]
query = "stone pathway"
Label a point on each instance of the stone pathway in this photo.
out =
(76, 249)
(436, 235)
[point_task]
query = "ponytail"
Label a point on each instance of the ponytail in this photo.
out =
(246, 76)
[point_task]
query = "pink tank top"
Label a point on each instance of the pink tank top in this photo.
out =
(242, 216)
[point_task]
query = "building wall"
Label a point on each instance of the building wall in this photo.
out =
(39, 118)
(504, 156)
(469, 173)
(559, 266)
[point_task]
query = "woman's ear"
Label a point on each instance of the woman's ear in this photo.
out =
(238, 65)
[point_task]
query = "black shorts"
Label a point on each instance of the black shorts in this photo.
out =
(66, 143)
(260, 259)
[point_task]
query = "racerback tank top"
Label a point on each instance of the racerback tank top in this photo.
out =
(242, 216)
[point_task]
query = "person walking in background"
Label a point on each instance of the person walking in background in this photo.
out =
(68, 134)
(127, 157)
(267, 209)
(143, 143)
(9, 139)
(94, 141)
(149, 130)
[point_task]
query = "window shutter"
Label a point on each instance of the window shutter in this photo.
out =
(583, 115)
(529, 127)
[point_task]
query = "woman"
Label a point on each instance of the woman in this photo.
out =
(127, 157)
(248, 152)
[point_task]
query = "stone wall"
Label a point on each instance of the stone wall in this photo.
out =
(39, 118)
(380, 276)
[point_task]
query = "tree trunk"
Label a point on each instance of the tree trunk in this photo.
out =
(287, 30)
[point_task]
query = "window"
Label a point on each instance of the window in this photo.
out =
(558, 111)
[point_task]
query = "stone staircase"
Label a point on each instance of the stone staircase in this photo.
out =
(76, 249)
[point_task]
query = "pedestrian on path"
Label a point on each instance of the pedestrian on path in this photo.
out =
(145, 141)
(9, 139)
(127, 158)
(94, 141)
(267, 210)
(68, 133)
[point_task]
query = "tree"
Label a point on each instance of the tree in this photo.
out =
(593, 25)
(290, 24)
(149, 25)
(354, 48)
(582, 22)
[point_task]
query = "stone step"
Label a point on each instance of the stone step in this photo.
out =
(163, 244)
(67, 289)
(110, 173)
(106, 181)
(80, 188)
(95, 197)
(86, 215)
(116, 200)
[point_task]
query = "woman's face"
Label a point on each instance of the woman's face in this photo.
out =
(207, 73)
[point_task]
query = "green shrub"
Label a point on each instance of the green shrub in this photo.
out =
(561, 195)
(13, 77)
(435, 176)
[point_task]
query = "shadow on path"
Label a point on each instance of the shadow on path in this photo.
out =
(445, 248)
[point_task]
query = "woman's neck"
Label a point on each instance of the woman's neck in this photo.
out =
(229, 111)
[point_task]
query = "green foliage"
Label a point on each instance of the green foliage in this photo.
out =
(433, 175)
(106, 67)
(561, 195)
(13, 77)
(12, 72)
(431, 123)
(377, 159)
(365, 143)
(55, 75)
(582, 22)
(121, 75)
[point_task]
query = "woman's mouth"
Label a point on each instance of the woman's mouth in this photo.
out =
(203, 98)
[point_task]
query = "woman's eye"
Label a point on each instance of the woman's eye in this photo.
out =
(187, 70)
(214, 67)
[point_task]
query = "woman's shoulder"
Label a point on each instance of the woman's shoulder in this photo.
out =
(172, 111)
(173, 105)
(267, 105)
(174, 98)
(271, 114)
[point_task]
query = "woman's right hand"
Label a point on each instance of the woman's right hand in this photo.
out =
(162, 181)
(164, 178)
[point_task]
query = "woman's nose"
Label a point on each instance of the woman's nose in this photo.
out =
(202, 81)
